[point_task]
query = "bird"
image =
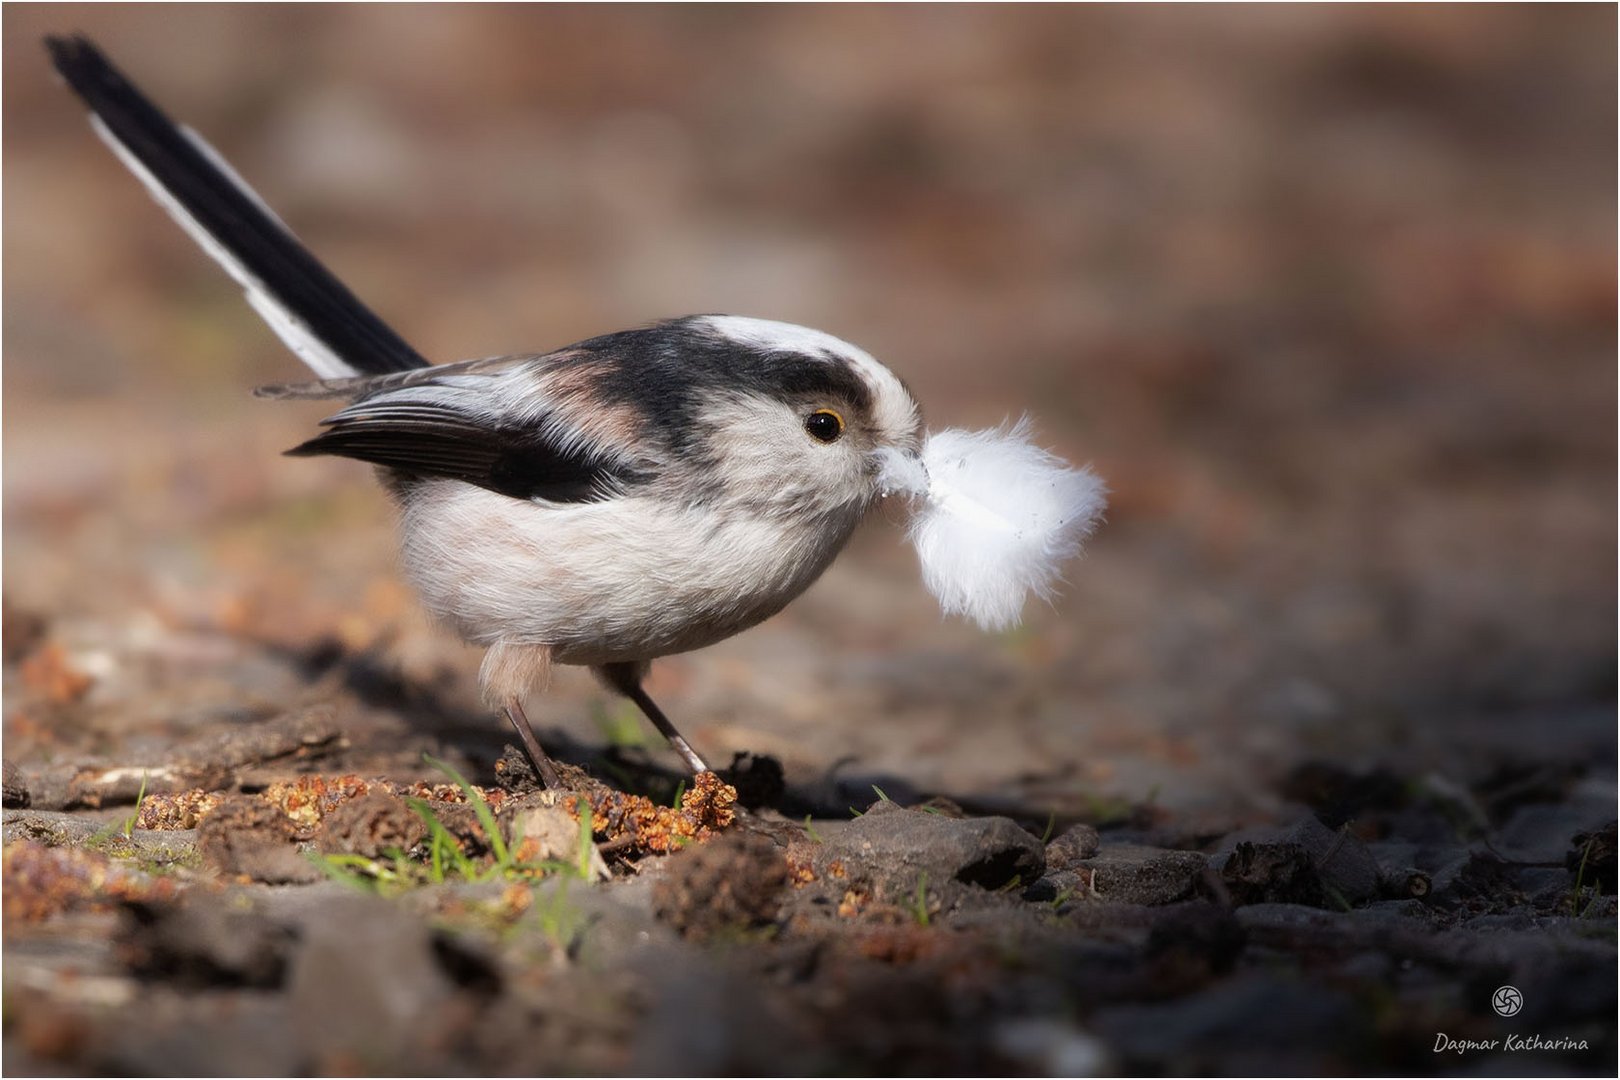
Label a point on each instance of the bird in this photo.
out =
(635, 495)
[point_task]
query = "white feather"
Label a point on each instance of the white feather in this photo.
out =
(292, 330)
(996, 518)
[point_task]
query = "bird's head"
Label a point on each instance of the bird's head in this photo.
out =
(792, 420)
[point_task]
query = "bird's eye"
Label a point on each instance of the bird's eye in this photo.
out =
(824, 425)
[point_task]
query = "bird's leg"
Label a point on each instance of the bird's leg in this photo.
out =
(543, 765)
(626, 679)
(509, 671)
(661, 722)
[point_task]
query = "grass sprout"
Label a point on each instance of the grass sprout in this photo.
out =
(919, 902)
(125, 827)
(135, 812)
(440, 857)
(486, 816)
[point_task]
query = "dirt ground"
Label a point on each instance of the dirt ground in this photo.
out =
(1314, 755)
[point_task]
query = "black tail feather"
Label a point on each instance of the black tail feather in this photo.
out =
(270, 261)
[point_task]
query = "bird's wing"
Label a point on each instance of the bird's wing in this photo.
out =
(522, 428)
(360, 386)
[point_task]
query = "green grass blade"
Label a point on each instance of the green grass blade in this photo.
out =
(486, 816)
(135, 814)
(586, 832)
(441, 841)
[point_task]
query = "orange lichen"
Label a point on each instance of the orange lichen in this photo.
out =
(181, 810)
(632, 823)
(310, 798)
(451, 793)
(637, 823)
(306, 800)
(711, 802)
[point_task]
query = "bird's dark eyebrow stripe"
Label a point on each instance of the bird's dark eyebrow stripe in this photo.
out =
(832, 377)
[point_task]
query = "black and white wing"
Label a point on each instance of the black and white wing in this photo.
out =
(317, 317)
(516, 430)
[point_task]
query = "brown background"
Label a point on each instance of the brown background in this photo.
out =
(1326, 294)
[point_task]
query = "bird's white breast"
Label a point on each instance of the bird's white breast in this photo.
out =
(626, 579)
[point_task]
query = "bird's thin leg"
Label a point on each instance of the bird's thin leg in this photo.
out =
(661, 722)
(510, 670)
(626, 678)
(543, 765)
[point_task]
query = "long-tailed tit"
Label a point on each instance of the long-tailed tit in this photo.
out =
(635, 495)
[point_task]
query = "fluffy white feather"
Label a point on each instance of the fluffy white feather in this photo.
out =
(995, 518)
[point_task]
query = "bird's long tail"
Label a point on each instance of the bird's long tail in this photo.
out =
(310, 309)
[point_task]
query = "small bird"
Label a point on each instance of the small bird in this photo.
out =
(639, 494)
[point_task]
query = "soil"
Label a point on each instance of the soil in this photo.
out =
(1314, 756)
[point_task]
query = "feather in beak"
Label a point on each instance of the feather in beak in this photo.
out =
(994, 517)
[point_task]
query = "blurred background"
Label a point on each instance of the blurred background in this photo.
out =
(1326, 293)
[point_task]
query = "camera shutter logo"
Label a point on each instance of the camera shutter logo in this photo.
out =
(1507, 1001)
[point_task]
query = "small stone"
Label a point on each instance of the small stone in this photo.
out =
(1272, 874)
(1309, 863)
(1129, 873)
(254, 838)
(735, 880)
(1074, 845)
(371, 825)
(895, 846)
(1059, 887)
(540, 830)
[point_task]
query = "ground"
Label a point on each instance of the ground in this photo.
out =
(1314, 754)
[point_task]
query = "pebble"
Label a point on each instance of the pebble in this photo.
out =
(1132, 874)
(894, 845)
(1074, 845)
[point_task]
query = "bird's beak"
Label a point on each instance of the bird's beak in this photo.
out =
(899, 472)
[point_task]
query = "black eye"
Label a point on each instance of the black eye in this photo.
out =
(824, 425)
